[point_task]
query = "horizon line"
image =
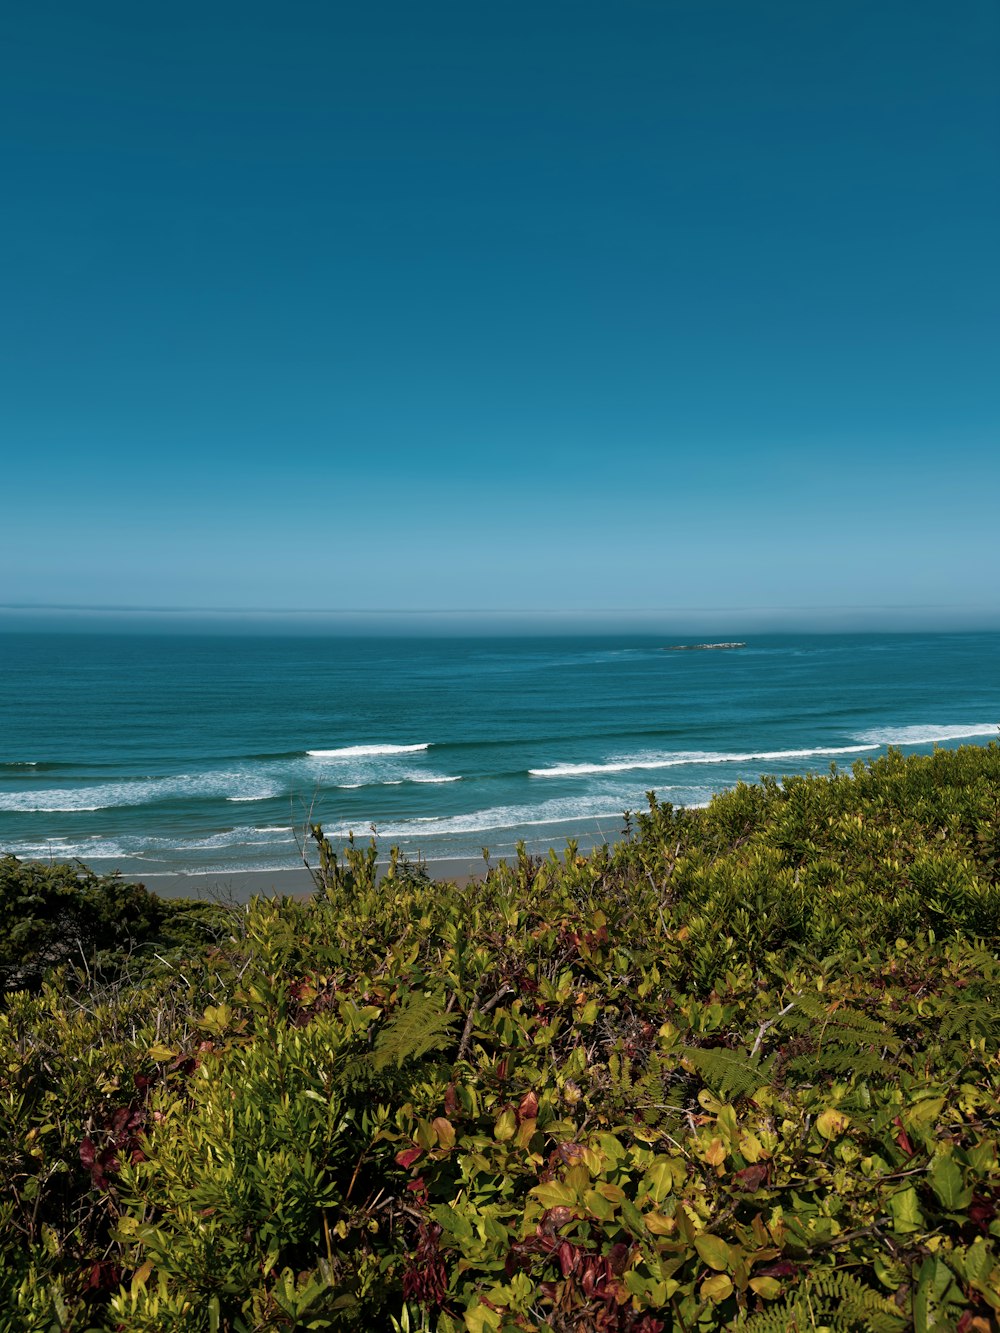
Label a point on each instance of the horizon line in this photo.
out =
(135, 608)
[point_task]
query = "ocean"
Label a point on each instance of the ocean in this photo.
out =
(211, 754)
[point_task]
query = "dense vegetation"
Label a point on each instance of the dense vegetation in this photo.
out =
(738, 1071)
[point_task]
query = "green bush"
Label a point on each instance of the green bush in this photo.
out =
(739, 1070)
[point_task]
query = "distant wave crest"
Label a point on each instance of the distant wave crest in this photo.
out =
(928, 733)
(657, 761)
(360, 751)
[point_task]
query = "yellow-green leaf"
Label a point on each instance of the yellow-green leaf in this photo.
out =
(906, 1214)
(768, 1288)
(445, 1131)
(713, 1250)
(480, 1318)
(555, 1194)
(717, 1288)
(715, 1153)
(831, 1124)
(505, 1126)
(598, 1206)
(659, 1180)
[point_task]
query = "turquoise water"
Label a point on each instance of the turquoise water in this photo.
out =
(210, 754)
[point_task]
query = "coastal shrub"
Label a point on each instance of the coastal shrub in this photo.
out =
(739, 1070)
(60, 915)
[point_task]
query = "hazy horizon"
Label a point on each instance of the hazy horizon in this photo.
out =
(669, 622)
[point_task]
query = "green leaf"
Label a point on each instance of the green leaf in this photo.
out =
(633, 1218)
(659, 1180)
(946, 1180)
(978, 1262)
(555, 1194)
(768, 1288)
(717, 1288)
(832, 1123)
(505, 1127)
(452, 1221)
(480, 1318)
(598, 1206)
(713, 1250)
(906, 1214)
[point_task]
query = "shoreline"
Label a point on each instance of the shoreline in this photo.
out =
(242, 885)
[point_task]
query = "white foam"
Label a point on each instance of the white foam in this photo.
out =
(88, 849)
(929, 733)
(139, 791)
(398, 781)
(360, 751)
(50, 809)
(628, 763)
(564, 811)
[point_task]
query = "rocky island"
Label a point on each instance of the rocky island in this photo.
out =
(701, 647)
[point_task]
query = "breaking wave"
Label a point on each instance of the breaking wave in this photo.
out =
(656, 761)
(364, 751)
(929, 733)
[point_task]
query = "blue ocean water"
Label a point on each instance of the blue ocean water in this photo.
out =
(210, 754)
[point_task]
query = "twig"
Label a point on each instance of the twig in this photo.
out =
(769, 1023)
(475, 1008)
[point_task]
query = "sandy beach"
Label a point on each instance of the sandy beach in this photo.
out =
(241, 886)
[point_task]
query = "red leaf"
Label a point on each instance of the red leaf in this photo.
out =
(902, 1138)
(568, 1255)
(408, 1156)
(982, 1212)
(751, 1177)
(783, 1268)
(554, 1218)
(527, 1108)
(618, 1258)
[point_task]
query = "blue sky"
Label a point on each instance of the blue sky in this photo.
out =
(549, 306)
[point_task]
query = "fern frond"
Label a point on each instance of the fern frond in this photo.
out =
(419, 1025)
(730, 1073)
(835, 1301)
(838, 1060)
(971, 1019)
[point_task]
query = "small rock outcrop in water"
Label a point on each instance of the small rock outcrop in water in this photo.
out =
(701, 647)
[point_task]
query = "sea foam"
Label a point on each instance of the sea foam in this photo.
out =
(656, 761)
(139, 791)
(498, 817)
(928, 733)
(360, 751)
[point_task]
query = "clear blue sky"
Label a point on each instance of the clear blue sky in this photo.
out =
(556, 304)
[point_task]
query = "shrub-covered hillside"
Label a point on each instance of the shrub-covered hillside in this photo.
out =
(739, 1070)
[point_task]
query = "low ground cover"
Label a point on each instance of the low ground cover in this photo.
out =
(739, 1070)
